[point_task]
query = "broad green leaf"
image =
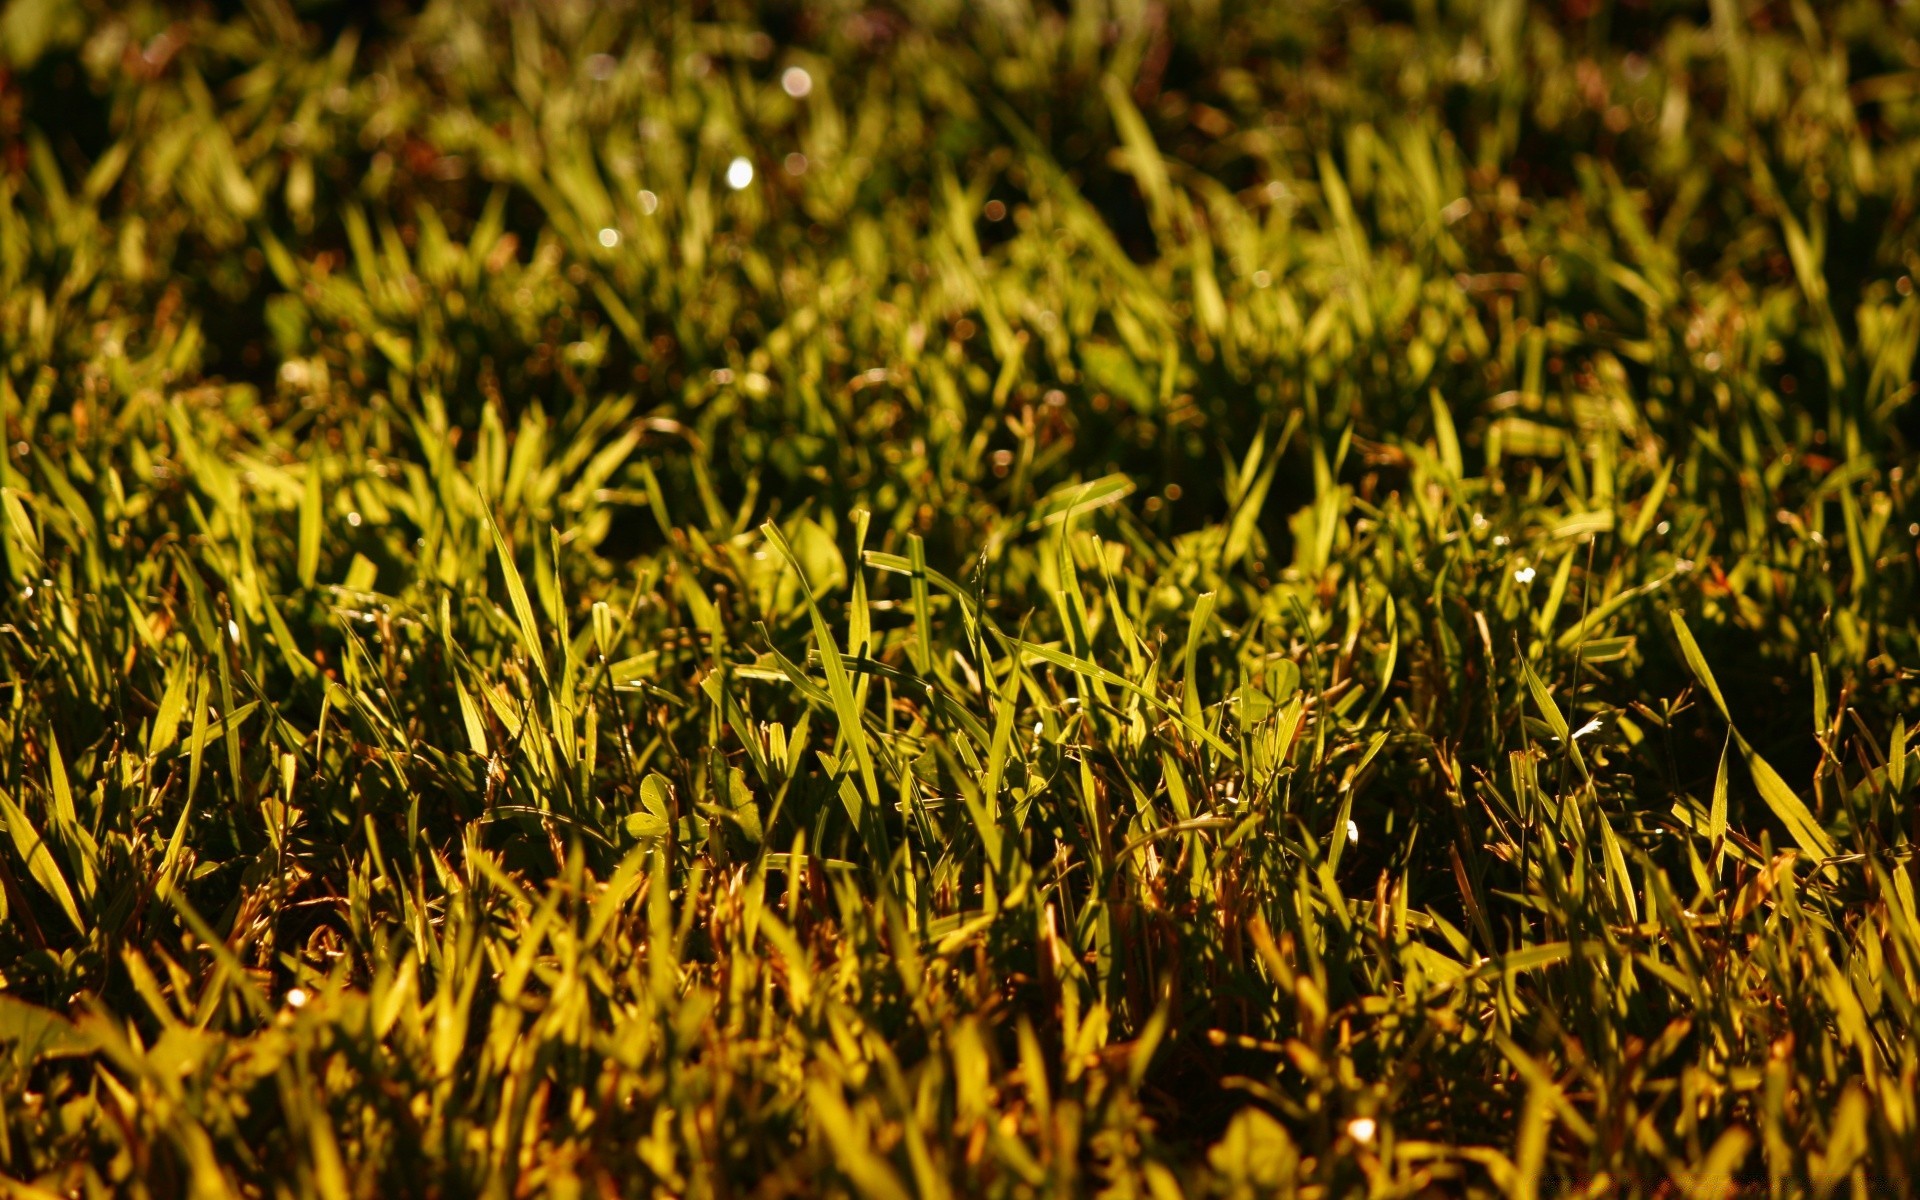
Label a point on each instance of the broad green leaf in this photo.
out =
(1697, 662)
(64, 820)
(173, 706)
(1792, 811)
(839, 683)
(38, 857)
(517, 594)
(470, 717)
(1071, 500)
(1650, 506)
(37, 1034)
(1543, 700)
(1197, 622)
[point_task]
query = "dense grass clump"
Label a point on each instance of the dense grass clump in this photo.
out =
(1008, 599)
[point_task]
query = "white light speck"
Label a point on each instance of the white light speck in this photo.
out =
(353, 519)
(1036, 730)
(1662, 528)
(1590, 727)
(1683, 565)
(297, 998)
(795, 82)
(1913, 530)
(233, 630)
(739, 174)
(1501, 539)
(1524, 575)
(649, 203)
(609, 238)
(28, 593)
(1353, 830)
(1361, 1129)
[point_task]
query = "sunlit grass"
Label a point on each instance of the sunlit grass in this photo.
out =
(943, 601)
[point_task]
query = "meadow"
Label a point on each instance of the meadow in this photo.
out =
(1033, 598)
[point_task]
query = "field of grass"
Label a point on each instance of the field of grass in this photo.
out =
(1028, 598)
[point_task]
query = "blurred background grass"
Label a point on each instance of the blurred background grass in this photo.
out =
(933, 598)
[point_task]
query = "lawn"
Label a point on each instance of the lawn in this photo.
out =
(1207, 598)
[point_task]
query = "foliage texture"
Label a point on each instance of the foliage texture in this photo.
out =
(1215, 598)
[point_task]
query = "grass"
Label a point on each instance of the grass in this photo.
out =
(1214, 599)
